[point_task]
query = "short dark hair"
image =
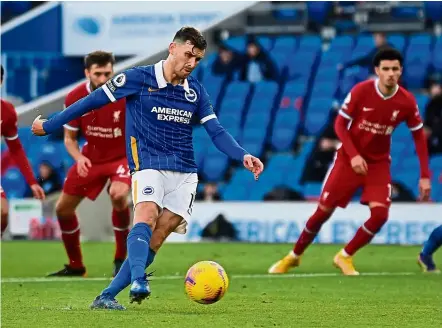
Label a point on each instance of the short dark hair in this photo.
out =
(3, 72)
(192, 35)
(387, 54)
(101, 58)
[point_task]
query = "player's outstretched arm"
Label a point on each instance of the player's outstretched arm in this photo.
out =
(122, 85)
(228, 145)
(96, 99)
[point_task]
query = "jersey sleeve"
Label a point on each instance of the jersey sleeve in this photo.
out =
(9, 129)
(349, 107)
(124, 84)
(205, 108)
(414, 120)
(73, 125)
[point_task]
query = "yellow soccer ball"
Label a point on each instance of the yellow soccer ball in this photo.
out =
(206, 282)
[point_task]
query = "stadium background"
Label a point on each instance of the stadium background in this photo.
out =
(282, 116)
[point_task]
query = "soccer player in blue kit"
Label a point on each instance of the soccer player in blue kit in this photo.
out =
(161, 102)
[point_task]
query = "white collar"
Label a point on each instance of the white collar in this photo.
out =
(88, 87)
(161, 81)
(376, 82)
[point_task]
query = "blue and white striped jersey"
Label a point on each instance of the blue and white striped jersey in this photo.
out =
(159, 117)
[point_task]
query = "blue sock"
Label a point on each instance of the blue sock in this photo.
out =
(123, 278)
(433, 242)
(138, 242)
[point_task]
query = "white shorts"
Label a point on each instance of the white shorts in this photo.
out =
(168, 189)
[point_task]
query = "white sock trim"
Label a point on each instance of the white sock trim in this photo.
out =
(292, 254)
(121, 229)
(344, 253)
(70, 232)
(366, 230)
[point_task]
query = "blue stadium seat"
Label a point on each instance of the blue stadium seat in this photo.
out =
(265, 42)
(331, 59)
(342, 44)
(53, 152)
(312, 190)
(316, 121)
(237, 43)
(230, 120)
(280, 59)
(437, 58)
(295, 89)
(325, 89)
(397, 41)
(285, 45)
(422, 101)
(215, 165)
(14, 183)
(304, 62)
(285, 129)
(213, 86)
(310, 44)
(327, 74)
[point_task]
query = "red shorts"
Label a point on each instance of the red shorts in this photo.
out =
(99, 174)
(342, 183)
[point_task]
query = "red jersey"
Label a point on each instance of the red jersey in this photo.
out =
(103, 128)
(8, 121)
(9, 130)
(374, 117)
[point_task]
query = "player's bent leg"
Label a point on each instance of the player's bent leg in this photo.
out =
(5, 214)
(118, 193)
(344, 259)
(425, 258)
(138, 241)
(70, 234)
(312, 227)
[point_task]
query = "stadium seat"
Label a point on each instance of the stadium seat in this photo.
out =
(213, 85)
(237, 43)
(327, 74)
(14, 183)
(265, 42)
(436, 57)
(397, 41)
(312, 190)
(325, 89)
(285, 129)
(285, 45)
(310, 44)
(342, 44)
(215, 166)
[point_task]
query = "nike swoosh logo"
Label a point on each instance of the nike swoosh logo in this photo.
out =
(152, 90)
(139, 239)
(366, 109)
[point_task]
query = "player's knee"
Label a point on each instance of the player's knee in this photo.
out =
(64, 211)
(118, 196)
(316, 221)
(379, 216)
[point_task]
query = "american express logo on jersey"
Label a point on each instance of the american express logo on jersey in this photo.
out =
(172, 114)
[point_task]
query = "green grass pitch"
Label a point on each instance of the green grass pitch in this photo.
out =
(393, 293)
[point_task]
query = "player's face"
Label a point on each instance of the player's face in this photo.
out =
(186, 57)
(389, 72)
(98, 75)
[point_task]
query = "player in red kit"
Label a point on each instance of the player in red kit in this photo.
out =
(102, 160)
(10, 133)
(369, 115)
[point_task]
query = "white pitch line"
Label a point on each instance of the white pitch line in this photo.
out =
(235, 276)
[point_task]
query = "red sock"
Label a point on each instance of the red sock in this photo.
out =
(70, 234)
(365, 234)
(121, 221)
(310, 231)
